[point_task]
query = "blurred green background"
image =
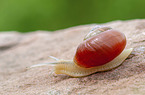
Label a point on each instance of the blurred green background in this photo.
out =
(31, 15)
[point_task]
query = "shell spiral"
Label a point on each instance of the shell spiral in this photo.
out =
(100, 49)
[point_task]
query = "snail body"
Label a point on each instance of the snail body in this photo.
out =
(101, 50)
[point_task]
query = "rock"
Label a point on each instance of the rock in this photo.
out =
(18, 51)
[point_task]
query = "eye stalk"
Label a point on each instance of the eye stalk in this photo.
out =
(103, 49)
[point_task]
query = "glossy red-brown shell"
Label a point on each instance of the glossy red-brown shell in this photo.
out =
(100, 49)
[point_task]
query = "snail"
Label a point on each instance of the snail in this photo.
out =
(103, 49)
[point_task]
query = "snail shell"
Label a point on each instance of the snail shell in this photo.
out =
(101, 50)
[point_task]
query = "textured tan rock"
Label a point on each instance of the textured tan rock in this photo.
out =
(18, 51)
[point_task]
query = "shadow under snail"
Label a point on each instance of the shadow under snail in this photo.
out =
(103, 49)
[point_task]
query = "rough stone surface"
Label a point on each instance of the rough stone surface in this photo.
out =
(18, 51)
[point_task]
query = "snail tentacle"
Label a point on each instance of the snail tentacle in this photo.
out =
(52, 57)
(44, 64)
(53, 64)
(58, 61)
